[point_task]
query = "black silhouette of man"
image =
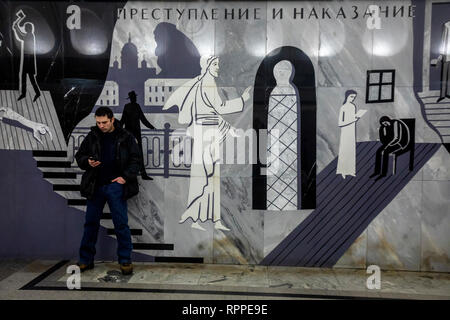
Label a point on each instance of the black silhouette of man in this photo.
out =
(28, 55)
(394, 136)
(131, 120)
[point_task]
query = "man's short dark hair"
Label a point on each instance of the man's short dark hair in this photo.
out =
(104, 111)
(384, 118)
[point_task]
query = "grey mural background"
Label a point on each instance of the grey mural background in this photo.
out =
(411, 233)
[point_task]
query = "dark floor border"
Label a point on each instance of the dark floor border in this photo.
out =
(33, 285)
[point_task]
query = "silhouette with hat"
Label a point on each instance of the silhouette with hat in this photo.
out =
(131, 120)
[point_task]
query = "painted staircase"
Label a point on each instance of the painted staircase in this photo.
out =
(437, 114)
(345, 208)
(57, 169)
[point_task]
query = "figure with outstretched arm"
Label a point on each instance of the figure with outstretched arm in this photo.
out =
(38, 128)
(201, 108)
(132, 117)
(25, 35)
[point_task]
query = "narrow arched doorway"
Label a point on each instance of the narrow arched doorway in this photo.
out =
(303, 79)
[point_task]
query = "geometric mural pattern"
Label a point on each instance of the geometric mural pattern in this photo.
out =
(282, 176)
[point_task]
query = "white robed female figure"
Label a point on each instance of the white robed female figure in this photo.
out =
(347, 144)
(200, 107)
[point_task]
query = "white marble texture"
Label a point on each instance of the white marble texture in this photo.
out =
(345, 49)
(278, 225)
(438, 168)
(393, 45)
(188, 242)
(300, 33)
(355, 256)
(394, 236)
(240, 44)
(243, 244)
(147, 210)
(435, 226)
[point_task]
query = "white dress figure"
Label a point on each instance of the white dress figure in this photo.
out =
(201, 109)
(282, 169)
(347, 144)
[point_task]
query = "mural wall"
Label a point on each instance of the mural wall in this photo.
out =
(303, 133)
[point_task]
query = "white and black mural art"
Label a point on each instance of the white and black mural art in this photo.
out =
(348, 118)
(296, 133)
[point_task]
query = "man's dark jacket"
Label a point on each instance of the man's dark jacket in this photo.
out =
(127, 160)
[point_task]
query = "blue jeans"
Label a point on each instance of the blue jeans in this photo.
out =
(111, 193)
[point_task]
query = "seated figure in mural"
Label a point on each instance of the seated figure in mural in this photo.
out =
(25, 35)
(444, 58)
(283, 162)
(132, 117)
(394, 136)
(348, 117)
(200, 107)
(8, 113)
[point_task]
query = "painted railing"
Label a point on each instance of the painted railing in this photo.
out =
(167, 152)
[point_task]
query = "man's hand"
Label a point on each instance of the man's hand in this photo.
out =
(119, 180)
(93, 163)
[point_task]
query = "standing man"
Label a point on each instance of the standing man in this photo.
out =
(444, 58)
(131, 120)
(25, 35)
(110, 156)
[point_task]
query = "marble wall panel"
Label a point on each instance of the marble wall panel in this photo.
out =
(147, 209)
(300, 33)
(394, 236)
(188, 242)
(240, 44)
(244, 243)
(410, 234)
(355, 256)
(393, 44)
(345, 48)
(279, 224)
(435, 225)
(438, 168)
(200, 31)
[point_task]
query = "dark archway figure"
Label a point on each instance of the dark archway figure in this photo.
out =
(131, 120)
(304, 82)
